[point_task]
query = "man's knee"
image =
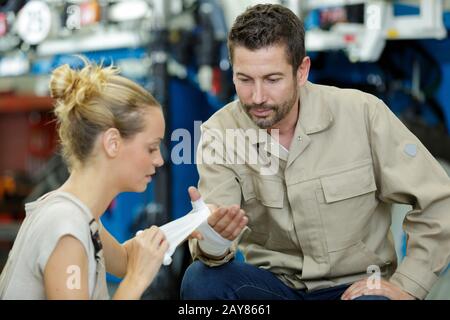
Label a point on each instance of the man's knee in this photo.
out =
(199, 282)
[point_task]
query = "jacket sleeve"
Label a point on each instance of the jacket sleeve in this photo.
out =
(218, 185)
(407, 173)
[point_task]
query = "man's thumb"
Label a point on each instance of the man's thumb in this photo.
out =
(194, 194)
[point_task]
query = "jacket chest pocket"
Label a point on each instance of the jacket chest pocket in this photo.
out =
(348, 184)
(346, 201)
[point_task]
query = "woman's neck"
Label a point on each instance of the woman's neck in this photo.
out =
(92, 188)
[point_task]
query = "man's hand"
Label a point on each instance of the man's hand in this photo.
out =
(226, 221)
(386, 289)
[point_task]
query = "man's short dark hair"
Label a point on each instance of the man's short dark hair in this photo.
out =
(265, 25)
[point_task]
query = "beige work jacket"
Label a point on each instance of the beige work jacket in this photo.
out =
(320, 213)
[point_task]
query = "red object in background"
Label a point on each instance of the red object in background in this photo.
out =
(216, 81)
(12, 103)
(349, 38)
(3, 24)
(5, 218)
(28, 139)
(89, 13)
(18, 129)
(42, 136)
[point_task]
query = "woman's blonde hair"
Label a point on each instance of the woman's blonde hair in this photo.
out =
(92, 100)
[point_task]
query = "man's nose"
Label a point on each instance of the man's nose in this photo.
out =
(258, 96)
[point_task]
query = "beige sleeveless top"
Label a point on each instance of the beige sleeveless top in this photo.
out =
(49, 218)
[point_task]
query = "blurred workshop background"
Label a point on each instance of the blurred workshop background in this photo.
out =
(396, 50)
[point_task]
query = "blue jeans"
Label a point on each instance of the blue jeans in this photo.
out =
(237, 280)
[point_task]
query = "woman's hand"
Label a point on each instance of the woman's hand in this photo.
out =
(145, 254)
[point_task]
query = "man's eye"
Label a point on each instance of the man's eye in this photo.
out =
(274, 80)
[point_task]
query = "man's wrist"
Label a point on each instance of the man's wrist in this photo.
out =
(213, 243)
(210, 256)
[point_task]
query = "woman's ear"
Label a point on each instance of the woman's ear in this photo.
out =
(111, 141)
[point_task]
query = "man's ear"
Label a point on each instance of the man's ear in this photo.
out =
(111, 141)
(303, 71)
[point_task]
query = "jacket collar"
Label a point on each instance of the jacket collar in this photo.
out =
(315, 115)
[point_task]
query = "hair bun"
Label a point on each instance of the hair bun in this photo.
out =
(63, 82)
(74, 88)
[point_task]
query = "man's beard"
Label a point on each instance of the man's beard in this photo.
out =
(278, 114)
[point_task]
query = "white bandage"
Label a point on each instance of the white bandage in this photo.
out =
(178, 230)
(213, 243)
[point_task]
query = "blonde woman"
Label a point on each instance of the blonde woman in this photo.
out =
(110, 130)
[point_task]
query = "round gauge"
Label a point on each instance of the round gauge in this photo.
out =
(34, 22)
